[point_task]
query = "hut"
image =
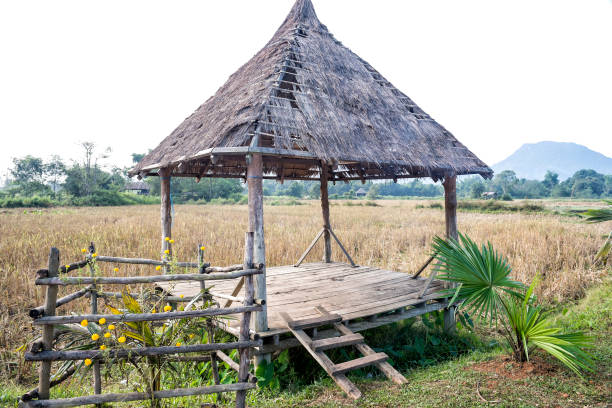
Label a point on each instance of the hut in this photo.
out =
(361, 193)
(138, 187)
(307, 108)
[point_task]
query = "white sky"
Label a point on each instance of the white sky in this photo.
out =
(125, 73)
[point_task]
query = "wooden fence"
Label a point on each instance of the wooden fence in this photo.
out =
(45, 316)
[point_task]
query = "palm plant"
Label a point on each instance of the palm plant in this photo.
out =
(486, 291)
(601, 215)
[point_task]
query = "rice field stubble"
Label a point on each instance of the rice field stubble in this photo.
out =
(394, 235)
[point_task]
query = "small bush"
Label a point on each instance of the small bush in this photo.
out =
(506, 197)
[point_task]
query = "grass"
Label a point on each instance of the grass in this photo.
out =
(393, 235)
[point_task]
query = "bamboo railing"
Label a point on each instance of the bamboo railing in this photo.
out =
(43, 351)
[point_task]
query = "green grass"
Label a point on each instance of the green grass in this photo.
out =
(448, 381)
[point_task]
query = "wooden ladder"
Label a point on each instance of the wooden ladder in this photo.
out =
(317, 348)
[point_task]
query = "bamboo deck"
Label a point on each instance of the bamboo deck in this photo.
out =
(360, 292)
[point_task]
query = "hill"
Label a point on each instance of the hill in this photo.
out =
(532, 160)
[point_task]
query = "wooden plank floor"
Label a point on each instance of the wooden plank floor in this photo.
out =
(352, 292)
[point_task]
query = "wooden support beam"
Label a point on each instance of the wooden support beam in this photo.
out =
(312, 244)
(166, 212)
(327, 255)
(342, 248)
(249, 291)
(450, 206)
(256, 225)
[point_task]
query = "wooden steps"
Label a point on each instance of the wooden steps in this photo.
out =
(337, 372)
(336, 342)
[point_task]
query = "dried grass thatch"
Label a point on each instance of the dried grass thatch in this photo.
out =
(305, 99)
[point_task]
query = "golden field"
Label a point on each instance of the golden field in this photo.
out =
(394, 235)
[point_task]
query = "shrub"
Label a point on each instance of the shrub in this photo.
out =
(506, 197)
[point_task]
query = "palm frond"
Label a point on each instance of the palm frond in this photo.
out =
(482, 273)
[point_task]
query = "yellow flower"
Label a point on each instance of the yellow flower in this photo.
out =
(95, 336)
(158, 268)
(178, 344)
(171, 241)
(167, 251)
(94, 255)
(67, 266)
(111, 327)
(182, 296)
(88, 362)
(191, 336)
(167, 238)
(153, 311)
(167, 308)
(107, 335)
(202, 247)
(103, 347)
(84, 322)
(83, 250)
(116, 269)
(102, 321)
(121, 339)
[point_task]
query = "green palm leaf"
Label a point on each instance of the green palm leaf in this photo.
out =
(482, 273)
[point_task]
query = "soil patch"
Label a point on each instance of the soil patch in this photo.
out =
(506, 368)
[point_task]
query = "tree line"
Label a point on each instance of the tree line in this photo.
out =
(90, 181)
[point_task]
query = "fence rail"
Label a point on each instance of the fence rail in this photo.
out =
(43, 350)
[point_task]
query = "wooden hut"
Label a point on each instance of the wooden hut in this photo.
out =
(361, 193)
(307, 108)
(138, 187)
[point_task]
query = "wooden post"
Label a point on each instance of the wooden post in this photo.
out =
(249, 291)
(97, 378)
(44, 375)
(450, 211)
(166, 213)
(450, 206)
(256, 225)
(325, 212)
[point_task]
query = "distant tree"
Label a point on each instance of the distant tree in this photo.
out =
(54, 170)
(477, 189)
(296, 189)
(373, 192)
(314, 191)
(28, 176)
(137, 157)
(506, 180)
(551, 179)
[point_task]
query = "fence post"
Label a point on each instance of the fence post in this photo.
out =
(44, 375)
(97, 379)
(249, 292)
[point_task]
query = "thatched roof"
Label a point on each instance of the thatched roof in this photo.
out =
(138, 185)
(305, 99)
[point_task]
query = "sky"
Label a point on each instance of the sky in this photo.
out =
(124, 74)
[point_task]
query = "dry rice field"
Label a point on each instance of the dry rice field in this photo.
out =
(393, 235)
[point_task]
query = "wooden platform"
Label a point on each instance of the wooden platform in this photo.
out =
(351, 292)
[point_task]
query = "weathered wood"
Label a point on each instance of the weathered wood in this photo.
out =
(366, 350)
(336, 342)
(166, 213)
(93, 298)
(344, 383)
(213, 359)
(44, 375)
(73, 266)
(32, 394)
(144, 279)
(342, 247)
(425, 265)
(155, 297)
(40, 310)
(450, 324)
(358, 363)
(50, 355)
(450, 206)
(327, 252)
(256, 225)
(138, 396)
(233, 365)
(146, 317)
(249, 289)
(314, 322)
(312, 244)
(235, 291)
(143, 261)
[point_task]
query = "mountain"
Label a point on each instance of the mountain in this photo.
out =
(532, 160)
